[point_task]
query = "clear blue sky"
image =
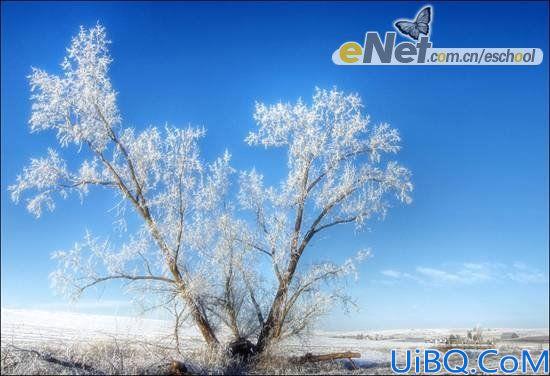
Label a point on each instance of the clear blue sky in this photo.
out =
(473, 246)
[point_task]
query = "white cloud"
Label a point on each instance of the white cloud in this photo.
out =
(523, 274)
(471, 273)
(438, 275)
(396, 274)
(392, 273)
(526, 278)
(519, 265)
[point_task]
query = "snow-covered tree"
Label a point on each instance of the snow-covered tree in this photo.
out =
(157, 173)
(196, 250)
(338, 174)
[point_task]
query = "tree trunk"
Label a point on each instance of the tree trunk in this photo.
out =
(198, 317)
(204, 327)
(272, 324)
(272, 328)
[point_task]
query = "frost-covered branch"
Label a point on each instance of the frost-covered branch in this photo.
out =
(157, 172)
(339, 172)
(192, 247)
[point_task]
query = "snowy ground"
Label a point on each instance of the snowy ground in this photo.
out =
(27, 328)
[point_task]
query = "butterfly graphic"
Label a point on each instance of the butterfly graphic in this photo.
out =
(421, 25)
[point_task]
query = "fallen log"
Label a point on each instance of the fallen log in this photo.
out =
(64, 363)
(310, 358)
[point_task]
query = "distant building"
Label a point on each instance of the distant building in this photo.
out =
(509, 335)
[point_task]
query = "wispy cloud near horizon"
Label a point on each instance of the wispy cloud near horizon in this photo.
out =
(470, 273)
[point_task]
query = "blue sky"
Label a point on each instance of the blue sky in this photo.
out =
(473, 246)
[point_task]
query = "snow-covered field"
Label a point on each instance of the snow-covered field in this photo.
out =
(28, 328)
(24, 326)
